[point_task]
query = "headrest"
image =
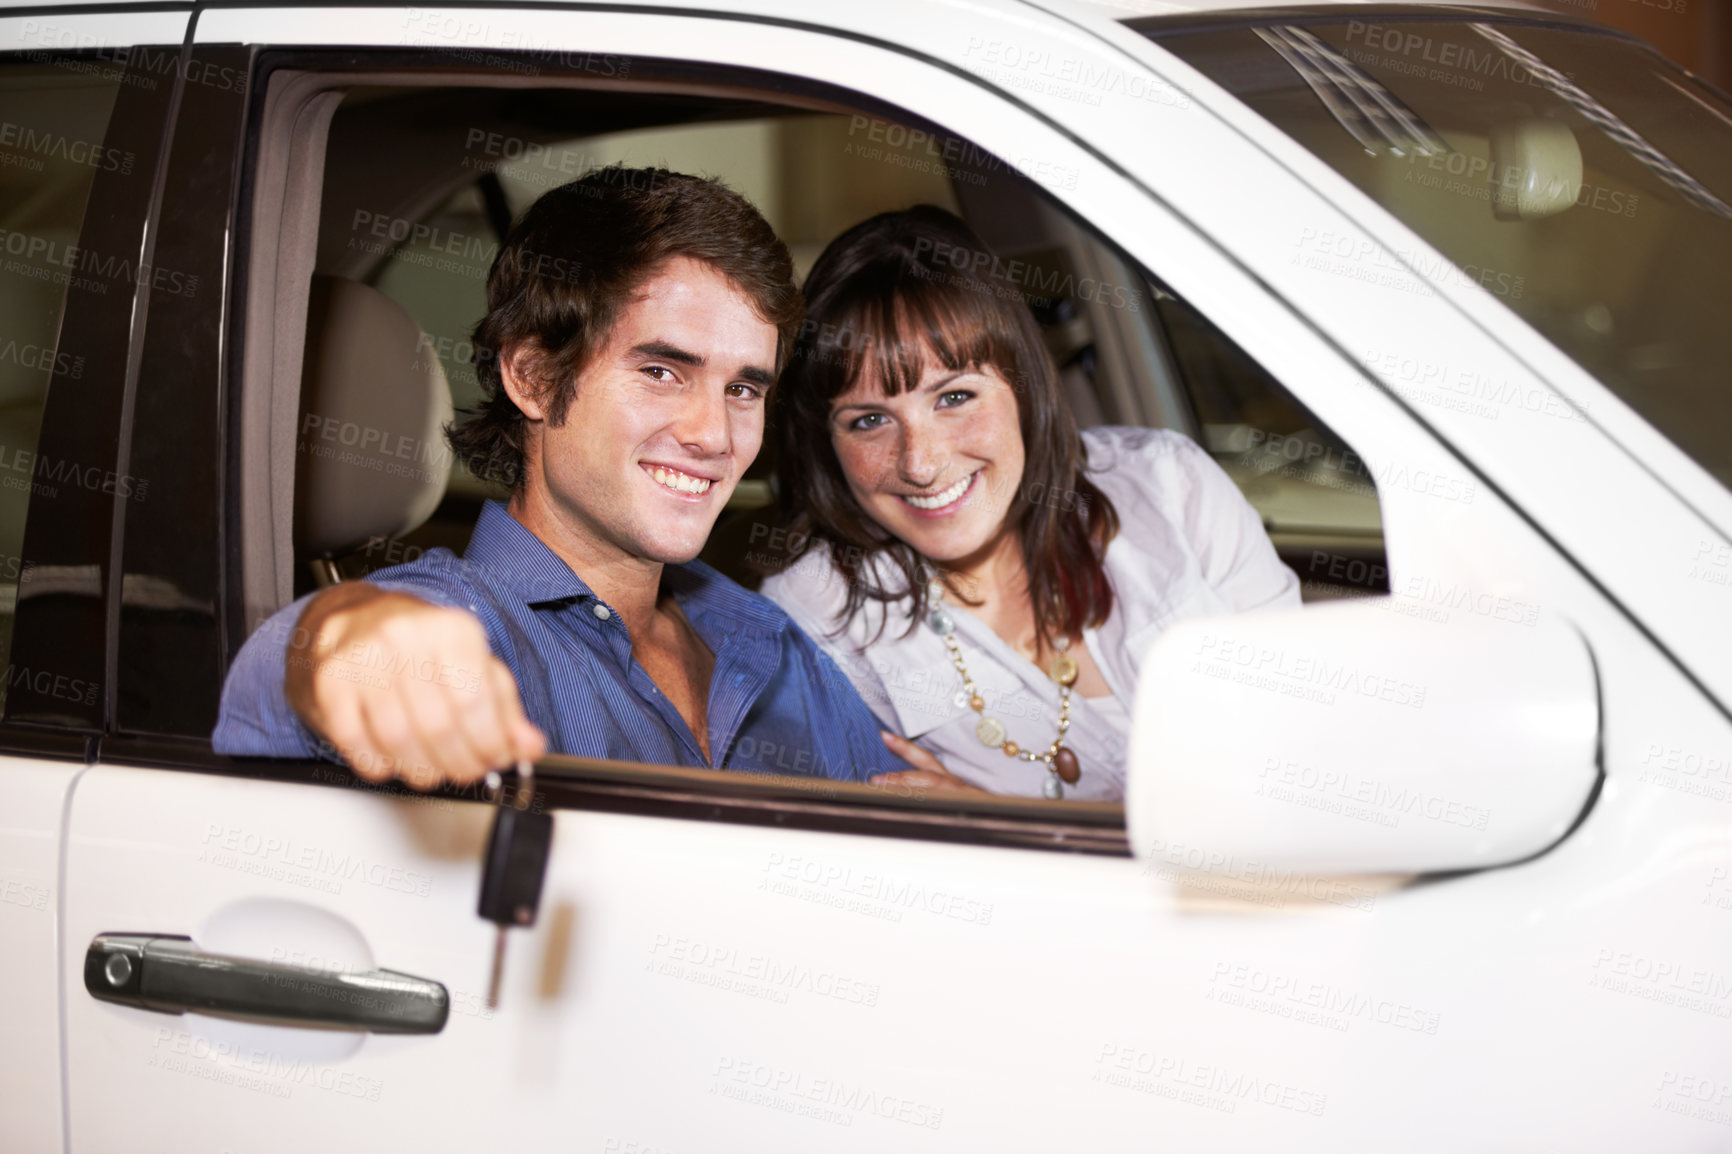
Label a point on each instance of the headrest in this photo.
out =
(371, 454)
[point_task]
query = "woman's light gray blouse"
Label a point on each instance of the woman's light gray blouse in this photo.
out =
(1189, 545)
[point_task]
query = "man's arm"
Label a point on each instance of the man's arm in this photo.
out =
(399, 686)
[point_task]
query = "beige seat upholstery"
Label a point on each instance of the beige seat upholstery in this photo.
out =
(371, 457)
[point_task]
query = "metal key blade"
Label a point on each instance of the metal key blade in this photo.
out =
(498, 968)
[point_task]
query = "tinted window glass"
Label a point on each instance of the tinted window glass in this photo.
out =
(53, 121)
(1578, 177)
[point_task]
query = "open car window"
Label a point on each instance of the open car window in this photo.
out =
(1129, 351)
(419, 181)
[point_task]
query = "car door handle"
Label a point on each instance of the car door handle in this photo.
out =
(168, 973)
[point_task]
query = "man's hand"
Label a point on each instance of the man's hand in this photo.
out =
(405, 688)
(928, 771)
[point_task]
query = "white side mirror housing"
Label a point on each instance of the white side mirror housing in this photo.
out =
(1351, 737)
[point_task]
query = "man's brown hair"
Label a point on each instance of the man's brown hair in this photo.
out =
(575, 259)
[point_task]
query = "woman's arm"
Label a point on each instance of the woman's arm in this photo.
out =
(1224, 531)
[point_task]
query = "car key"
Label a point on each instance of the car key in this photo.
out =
(515, 865)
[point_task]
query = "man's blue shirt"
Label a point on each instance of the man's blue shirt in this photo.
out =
(777, 703)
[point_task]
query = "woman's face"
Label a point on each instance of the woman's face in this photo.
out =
(938, 466)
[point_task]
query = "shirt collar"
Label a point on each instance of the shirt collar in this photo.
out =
(519, 560)
(522, 563)
(716, 605)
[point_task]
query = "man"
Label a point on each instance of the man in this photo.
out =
(625, 398)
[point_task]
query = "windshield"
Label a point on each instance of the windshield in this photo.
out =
(1576, 175)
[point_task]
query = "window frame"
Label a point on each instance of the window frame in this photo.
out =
(181, 538)
(608, 786)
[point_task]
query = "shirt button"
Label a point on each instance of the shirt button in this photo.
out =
(603, 612)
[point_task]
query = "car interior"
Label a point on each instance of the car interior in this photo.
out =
(387, 197)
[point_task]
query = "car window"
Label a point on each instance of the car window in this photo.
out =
(53, 123)
(419, 186)
(1129, 350)
(1575, 175)
(1317, 497)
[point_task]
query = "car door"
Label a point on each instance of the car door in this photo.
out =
(737, 967)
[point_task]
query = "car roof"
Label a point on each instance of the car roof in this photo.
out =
(1132, 9)
(1112, 9)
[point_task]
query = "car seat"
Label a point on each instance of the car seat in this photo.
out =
(371, 458)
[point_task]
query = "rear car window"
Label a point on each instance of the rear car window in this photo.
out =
(54, 116)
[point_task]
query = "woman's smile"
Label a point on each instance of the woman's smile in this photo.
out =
(943, 502)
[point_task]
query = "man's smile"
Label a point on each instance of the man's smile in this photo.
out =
(676, 481)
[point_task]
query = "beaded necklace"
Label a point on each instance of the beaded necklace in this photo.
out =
(1061, 763)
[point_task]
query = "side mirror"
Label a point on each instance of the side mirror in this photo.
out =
(1360, 737)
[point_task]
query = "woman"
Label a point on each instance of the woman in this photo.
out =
(987, 576)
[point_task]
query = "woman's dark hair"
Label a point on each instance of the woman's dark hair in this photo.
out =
(885, 295)
(573, 262)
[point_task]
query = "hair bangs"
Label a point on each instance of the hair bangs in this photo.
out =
(893, 317)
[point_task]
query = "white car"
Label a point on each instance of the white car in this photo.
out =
(1443, 865)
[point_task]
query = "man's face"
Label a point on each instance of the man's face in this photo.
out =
(666, 417)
